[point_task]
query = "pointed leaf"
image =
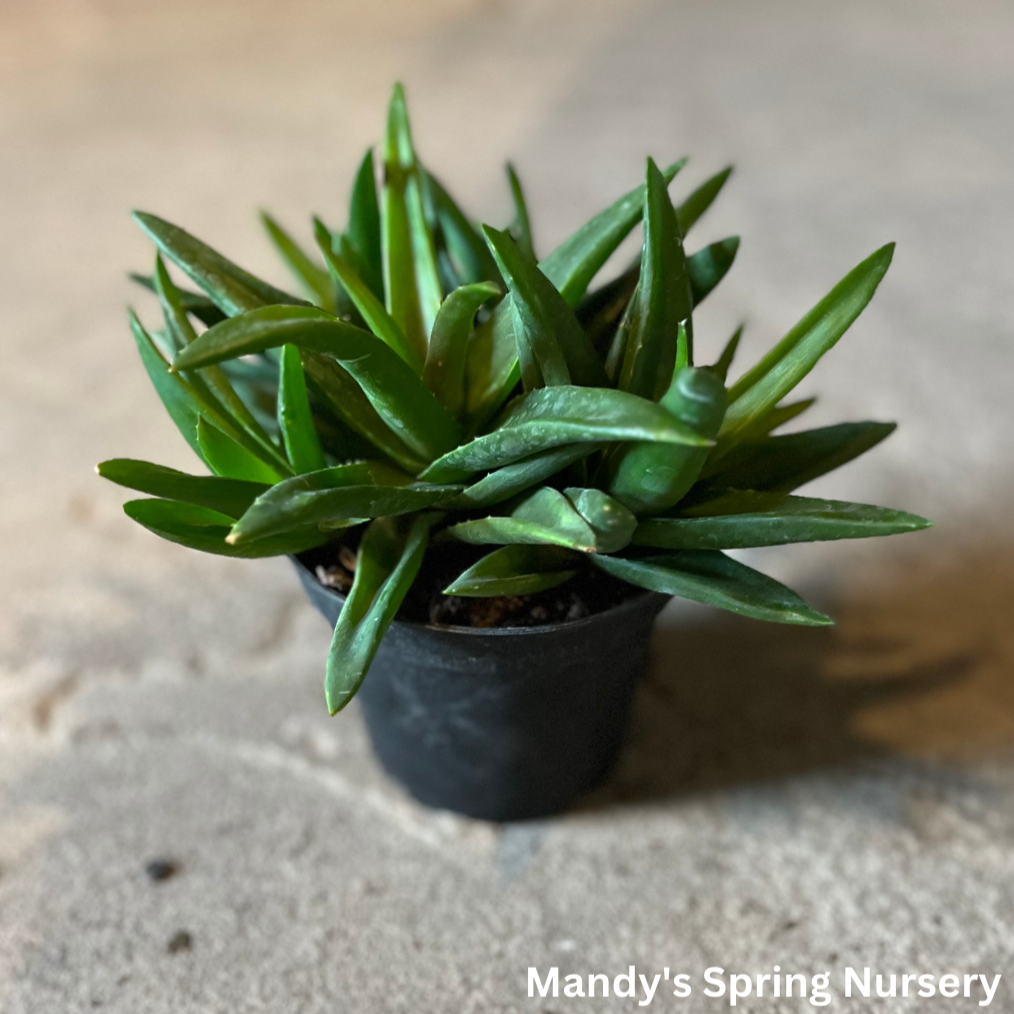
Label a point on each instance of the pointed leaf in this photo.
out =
(295, 420)
(612, 523)
(399, 396)
(560, 348)
(510, 480)
(192, 302)
(552, 416)
(334, 496)
(797, 353)
(709, 266)
(228, 458)
(232, 289)
(444, 372)
(783, 463)
(312, 277)
(364, 225)
(721, 368)
(521, 229)
(663, 297)
(715, 580)
(515, 570)
(746, 519)
(700, 200)
(205, 529)
(388, 562)
(227, 496)
(573, 264)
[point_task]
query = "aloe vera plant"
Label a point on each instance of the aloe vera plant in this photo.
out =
(437, 383)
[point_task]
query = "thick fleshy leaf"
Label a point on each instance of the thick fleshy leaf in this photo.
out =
(663, 298)
(232, 289)
(380, 322)
(721, 368)
(205, 529)
(783, 463)
(364, 225)
(226, 457)
(464, 244)
(515, 570)
(444, 372)
(709, 266)
(333, 497)
(521, 227)
(295, 421)
(211, 386)
(700, 200)
(552, 416)
(612, 523)
(551, 331)
(411, 280)
(511, 480)
(759, 428)
(545, 517)
(492, 370)
(744, 519)
(192, 302)
(600, 311)
(398, 395)
(797, 353)
(389, 558)
(714, 579)
(573, 264)
(227, 496)
(339, 392)
(649, 477)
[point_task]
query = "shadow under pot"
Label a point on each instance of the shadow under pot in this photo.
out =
(509, 723)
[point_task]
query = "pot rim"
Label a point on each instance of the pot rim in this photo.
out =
(547, 628)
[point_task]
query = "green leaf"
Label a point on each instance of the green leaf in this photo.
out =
(744, 519)
(759, 428)
(663, 298)
(398, 395)
(232, 289)
(510, 480)
(388, 562)
(380, 322)
(227, 496)
(552, 416)
(228, 458)
(205, 529)
(721, 368)
(492, 370)
(444, 372)
(797, 353)
(514, 570)
(211, 386)
(176, 394)
(411, 281)
(709, 266)
(714, 579)
(295, 421)
(544, 517)
(340, 393)
(700, 200)
(520, 229)
(312, 277)
(192, 302)
(612, 523)
(364, 225)
(551, 331)
(573, 264)
(466, 248)
(649, 477)
(333, 497)
(600, 311)
(783, 463)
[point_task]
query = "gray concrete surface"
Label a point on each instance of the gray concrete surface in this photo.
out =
(812, 799)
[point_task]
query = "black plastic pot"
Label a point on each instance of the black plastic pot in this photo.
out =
(507, 723)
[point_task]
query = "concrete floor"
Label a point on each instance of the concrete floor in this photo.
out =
(813, 799)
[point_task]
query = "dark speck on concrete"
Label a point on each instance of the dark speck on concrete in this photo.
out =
(181, 940)
(161, 869)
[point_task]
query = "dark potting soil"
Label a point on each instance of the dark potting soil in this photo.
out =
(590, 591)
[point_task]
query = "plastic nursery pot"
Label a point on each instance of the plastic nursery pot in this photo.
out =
(507, 723)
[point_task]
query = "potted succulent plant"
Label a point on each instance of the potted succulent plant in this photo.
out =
(489, 477)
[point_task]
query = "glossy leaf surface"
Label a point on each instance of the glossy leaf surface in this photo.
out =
(515, 570)
(295, 421)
